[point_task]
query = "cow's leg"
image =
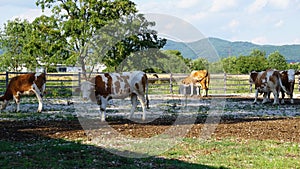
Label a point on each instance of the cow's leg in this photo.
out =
(282, 97)
(134, 104)
(204, 92)
(103, 103)
(192, 89)
(102, 114)
(276, 97)
(269, 94)
(17, 101)
(256, 95)
(292, 90)
(198, 90)
(38, 96)
(143, 103)
(266, 97)
(291, 98)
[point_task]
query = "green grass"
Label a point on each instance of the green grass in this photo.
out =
(191, 153)
(233, 153)
(50, 153)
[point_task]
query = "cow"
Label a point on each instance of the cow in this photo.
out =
(25, 84)
(266, 82)
(107, 86)
(200, 77)
(288, 81)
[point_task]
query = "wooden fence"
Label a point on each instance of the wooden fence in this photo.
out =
(64, 83)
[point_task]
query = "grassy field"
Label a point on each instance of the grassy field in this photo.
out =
(39, 150)
(191, 153)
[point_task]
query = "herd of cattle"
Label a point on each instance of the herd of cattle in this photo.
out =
(274, 81)
(107, 86)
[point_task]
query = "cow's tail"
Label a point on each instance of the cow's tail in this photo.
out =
(281, 85)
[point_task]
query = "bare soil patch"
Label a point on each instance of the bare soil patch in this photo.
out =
(279, 129)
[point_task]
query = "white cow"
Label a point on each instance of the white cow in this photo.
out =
(107, 86)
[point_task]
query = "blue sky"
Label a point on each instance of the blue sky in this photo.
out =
(258, 21)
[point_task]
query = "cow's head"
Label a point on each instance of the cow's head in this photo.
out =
(87, 89)
(291, 75)
(188, 80)
(253, 76)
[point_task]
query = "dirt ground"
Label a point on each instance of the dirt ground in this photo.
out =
(279, 129)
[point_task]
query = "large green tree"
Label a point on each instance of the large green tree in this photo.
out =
(277, 61)
(84, 23)
(13, 43)
(47, 43)
(229, 64)
(255, 61)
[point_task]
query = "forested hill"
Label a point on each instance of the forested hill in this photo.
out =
(226, 48)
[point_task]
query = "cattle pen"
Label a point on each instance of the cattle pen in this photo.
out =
(179, 131)
(63, 84)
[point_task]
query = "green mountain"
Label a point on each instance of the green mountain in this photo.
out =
(213, 49)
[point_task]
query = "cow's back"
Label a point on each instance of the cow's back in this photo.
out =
(119, 85)
(20, 83)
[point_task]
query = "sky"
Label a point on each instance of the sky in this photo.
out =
(273, 22)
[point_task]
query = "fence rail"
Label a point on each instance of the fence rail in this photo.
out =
(64, 83)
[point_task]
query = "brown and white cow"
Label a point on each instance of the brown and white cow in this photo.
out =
(26, 84)
(107, 86)
(200, 77)
(266, 82)
(288, 81)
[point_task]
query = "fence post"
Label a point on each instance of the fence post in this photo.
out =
(225, 81)
(171, 84)
(79, 78)
(299, 83)
(6, 78)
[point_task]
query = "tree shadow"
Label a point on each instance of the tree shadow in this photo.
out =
(44, 144)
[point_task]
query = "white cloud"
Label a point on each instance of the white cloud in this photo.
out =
(31, 14)
(257, 6)
(296, 41)
(187, 3)
(260, 40)
(280, 4)
(197, 16)
(221, 5)
(279, 23)
(233, 23)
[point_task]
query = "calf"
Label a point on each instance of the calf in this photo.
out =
(200, 77)
(107, 86)
(266, 82)
(26, 84)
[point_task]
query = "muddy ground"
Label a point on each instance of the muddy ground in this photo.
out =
(279, 128)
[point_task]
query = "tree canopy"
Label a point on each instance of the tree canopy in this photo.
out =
(86, 32)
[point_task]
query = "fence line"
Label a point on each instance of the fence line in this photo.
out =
(158, 83)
